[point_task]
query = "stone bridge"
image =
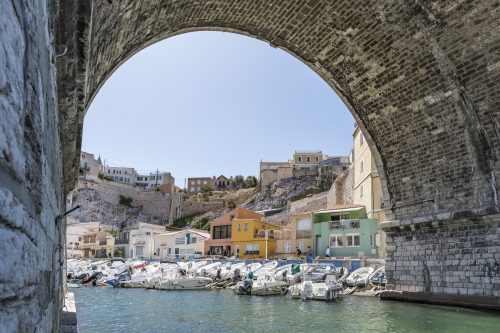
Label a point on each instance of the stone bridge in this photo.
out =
(419, 76)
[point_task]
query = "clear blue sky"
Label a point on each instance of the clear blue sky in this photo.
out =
(211, 103)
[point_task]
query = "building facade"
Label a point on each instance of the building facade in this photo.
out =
(122, 175)
(195, 184)
(187, 243)
(253, 238)
(367, 187)
(346, 231)
(75, 237)
(220, 242)
(89, 166)
(296, 235)
(141, 241)
(98, 243)
(307, 159)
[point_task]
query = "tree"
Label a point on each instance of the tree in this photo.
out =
(251, 181)
(206, 190)
(238, 182)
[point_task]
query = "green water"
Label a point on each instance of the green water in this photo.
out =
(103, 309)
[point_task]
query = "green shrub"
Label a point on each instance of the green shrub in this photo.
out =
(126, 201)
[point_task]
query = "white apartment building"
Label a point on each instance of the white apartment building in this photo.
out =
(183, 243)
(141, 241)
(154, 179)
(122, 175)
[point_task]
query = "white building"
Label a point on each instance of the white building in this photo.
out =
(74, 237)
(121, 174)
(141, 243)
(89, 166)
(154, 180)
(183, 243)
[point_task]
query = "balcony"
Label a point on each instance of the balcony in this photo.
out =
(344, 224)
(303, 234)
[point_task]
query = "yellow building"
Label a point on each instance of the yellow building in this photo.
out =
(249, 238)
(367, 187)
(298, 234)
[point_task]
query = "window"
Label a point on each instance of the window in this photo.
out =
(188, 238)
(239, 226)
(252, 249)
(300, 158)
(246, 226)
(204, 182)
(148, 233)
(125, 171)
(288, 247)
(222, 232)
(308, 159)
(193, 240)
(352, 240)
(317, 158)
(231, 217)
(193, 182)
(360, 139)
(179, 241)
(199, 182)
(361, 191)
(336, 240)
(361, 167)
(373, 240)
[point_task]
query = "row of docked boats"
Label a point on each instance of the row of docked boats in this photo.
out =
(299, 280)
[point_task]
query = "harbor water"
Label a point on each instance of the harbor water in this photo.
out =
(106, 309)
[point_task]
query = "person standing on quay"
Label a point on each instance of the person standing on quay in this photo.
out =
(309, 255)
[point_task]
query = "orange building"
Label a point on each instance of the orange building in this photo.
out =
(221, 234)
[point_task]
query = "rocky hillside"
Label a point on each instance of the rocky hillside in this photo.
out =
(277, 194)
(94, 208)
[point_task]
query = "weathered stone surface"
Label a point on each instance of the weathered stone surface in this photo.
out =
(460, 257)
(31, 189)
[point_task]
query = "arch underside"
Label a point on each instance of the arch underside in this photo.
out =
(419, 77)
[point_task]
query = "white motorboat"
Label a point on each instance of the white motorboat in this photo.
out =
(261, 287)
(325, 289)
(179, 281)
(359, 277)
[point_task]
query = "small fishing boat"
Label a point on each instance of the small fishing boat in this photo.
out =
(184, 283)
(318, 286)
(378, 279)
(359, 277)
(260, 287)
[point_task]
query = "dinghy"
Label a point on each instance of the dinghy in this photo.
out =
(359, 277)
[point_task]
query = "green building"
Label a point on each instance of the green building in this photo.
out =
(347, 231)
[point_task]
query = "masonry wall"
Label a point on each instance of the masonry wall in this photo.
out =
(30, 172)
(342, 190)
(270, 176)
(455, 257)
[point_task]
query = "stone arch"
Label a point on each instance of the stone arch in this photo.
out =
(90, 95)
(421, 106)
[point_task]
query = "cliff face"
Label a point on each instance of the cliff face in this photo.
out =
(277, 194)
(94, 208)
